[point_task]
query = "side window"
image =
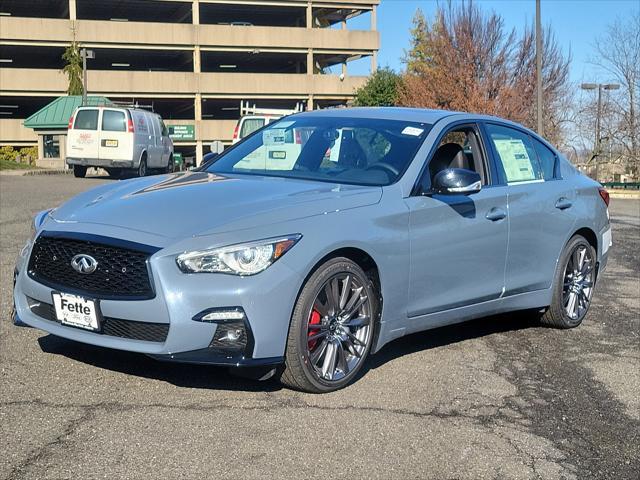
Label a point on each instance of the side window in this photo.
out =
(113, 121)
(165, 130)
(516, 154)
(459, 148)
(86, 120)
(548, 160)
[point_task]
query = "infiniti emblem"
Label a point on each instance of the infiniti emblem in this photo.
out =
(82, 263)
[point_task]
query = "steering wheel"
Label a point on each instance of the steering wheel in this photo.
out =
(385, 167)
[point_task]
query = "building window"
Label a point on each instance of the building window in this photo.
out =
(51, 146)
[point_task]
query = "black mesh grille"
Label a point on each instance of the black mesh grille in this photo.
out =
(121, 272)
(114, 327)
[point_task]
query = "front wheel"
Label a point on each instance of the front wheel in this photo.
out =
(170, 165)
(332, 328)
(142, 168)
(573, 285)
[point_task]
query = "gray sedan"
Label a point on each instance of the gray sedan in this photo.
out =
(308, 246)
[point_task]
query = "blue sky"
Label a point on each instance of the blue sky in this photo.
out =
(575, 23)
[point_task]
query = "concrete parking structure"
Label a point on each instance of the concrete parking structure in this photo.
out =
(193, 61)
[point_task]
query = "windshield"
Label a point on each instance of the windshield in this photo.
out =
(334, 149)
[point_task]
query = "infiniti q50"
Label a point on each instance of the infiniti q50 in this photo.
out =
(317, 240)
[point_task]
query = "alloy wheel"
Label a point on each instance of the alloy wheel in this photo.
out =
(338, 327)
(578, 282)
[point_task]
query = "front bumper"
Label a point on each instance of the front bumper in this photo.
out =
(266, 298)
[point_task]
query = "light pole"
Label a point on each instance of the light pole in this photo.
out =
(539, 69)
(600, 87)
(84, 53)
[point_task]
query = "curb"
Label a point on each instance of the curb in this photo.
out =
(24, 173)
(635, 195)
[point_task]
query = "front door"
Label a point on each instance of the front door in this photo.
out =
(458, 242)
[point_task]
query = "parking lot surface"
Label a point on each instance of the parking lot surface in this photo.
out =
(498, 397)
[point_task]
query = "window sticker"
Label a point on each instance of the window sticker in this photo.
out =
(413, 131)
(515, 159)
(274, 136)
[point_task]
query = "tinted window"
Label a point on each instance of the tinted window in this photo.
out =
(547, 160)
(516, 154)
(86, 120)
(113, 121)
(339, 149)
(250, 125)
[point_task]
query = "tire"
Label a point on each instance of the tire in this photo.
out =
(79, 171)
(567, 285)
(142, 168)
(170, 165)
(317, 335)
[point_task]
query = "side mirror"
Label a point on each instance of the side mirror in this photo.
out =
(171, 130)
(455, 181)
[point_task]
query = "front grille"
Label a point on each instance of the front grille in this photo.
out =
(114, 327)
(121, 272)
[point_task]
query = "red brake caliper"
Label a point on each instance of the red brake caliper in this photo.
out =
(314, 319)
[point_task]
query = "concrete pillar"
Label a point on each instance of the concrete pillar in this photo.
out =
(40, 146)
(195, 12)
(309, 15)
(374, 19)
(310, 105)
(343, 24)
(72, 10)
(310, 64)
(196, 59)
(344, 68)
(374, 61)
(198, 127)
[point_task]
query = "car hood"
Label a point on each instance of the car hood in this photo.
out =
(201, 203)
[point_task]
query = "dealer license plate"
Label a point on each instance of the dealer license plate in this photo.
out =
(76, 311)
(111, 143)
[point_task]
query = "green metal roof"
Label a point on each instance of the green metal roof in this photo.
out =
(56, 115)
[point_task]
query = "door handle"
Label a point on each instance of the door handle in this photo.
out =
(563, 203)
(496, 214)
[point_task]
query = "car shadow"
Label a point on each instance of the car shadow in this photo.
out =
(220, 378)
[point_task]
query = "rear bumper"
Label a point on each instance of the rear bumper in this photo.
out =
(99, 162)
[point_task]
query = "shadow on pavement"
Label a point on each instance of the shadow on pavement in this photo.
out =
(219, 378)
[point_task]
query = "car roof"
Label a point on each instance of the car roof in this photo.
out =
(421, 115)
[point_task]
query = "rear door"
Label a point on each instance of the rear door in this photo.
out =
(84, 138)
(540, 207)
(115, 142)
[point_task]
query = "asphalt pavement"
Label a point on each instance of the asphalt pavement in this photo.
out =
(498, 397)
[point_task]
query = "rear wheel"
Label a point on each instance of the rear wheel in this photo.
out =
(142, 168)
(332, 328)
(573, 285)
(79, 171)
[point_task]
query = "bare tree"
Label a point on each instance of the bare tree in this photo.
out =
(467, 60)
(618, 53)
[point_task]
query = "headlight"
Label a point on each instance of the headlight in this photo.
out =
(36, 223)
(242, 259)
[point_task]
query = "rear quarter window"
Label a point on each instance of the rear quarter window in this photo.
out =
(86, 120)
(113, 121)
(548, 160)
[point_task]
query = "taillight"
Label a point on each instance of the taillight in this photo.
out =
(235, 131)
(70, 126)
(130, 128)
(604, 195)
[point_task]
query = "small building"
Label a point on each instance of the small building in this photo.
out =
(50, 124)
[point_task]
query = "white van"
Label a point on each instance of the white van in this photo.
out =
(253, 118)
(116, 139)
